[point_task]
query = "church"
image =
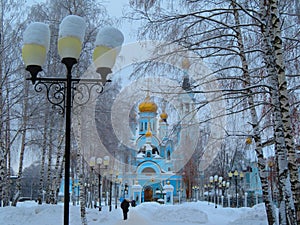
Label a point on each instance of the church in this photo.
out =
(154, 165)
(155, 161)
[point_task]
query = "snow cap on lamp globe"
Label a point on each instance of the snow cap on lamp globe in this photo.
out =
(37, 33)
(72, 26)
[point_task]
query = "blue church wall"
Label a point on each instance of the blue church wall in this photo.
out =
(162, 151)
(144, 120)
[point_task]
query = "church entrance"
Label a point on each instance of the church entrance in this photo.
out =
(148, 194)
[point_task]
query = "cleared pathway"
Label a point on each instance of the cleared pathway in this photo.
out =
(134, 218)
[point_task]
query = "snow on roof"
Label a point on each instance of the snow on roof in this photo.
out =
(37, 33)
(110, 37)
(140, 155)
(157, 156)
(72, 26)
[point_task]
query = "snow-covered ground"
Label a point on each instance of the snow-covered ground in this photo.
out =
(29, 213)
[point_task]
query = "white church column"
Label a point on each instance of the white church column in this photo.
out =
(168, 189)
(137, 192)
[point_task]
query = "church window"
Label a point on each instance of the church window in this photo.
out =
(141, 126)
(168, 155)
(169, 168)
(148, 154)
(148, 170)
(146, 126)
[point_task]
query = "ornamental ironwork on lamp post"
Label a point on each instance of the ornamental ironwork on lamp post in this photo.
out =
(61, 91)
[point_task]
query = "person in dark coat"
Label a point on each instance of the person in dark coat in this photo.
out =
(133, 203)
(125, 208)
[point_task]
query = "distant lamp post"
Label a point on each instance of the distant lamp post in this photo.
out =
(195, 191)
(111, 172)
(59, 90)
(215, 180)
(208, 187)
(105, 163)
(125, 191)
(236, 175)
(219, 185)
(116, 189)
(92, 164)
(99, 161)
(225, 185)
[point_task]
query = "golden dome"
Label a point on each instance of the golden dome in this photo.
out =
(248, 140)
(164, 116)
(147, 105)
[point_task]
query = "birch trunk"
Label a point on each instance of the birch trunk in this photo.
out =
(270, 41)
(56, 177)
(293, 199)
(23, 141)
(3, 164)
(49, 172)
(60, 176)
(44, 147)
(80, 171)
(82, 196)
(270, 209)
(7, 180)
(4, 154)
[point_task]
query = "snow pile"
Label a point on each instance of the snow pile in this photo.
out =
(249, 216)
(30, 213)
(72, 26)
(37, 33)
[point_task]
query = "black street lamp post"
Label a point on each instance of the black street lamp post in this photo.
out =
(59, 90)
(106, 163)
(110, 190)
(237, 176)
(99, 161)
(215, 180)
(116, 191)
(208, 187)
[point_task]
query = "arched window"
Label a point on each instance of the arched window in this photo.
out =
(168, 155)
(148, 170)
(141, 126)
